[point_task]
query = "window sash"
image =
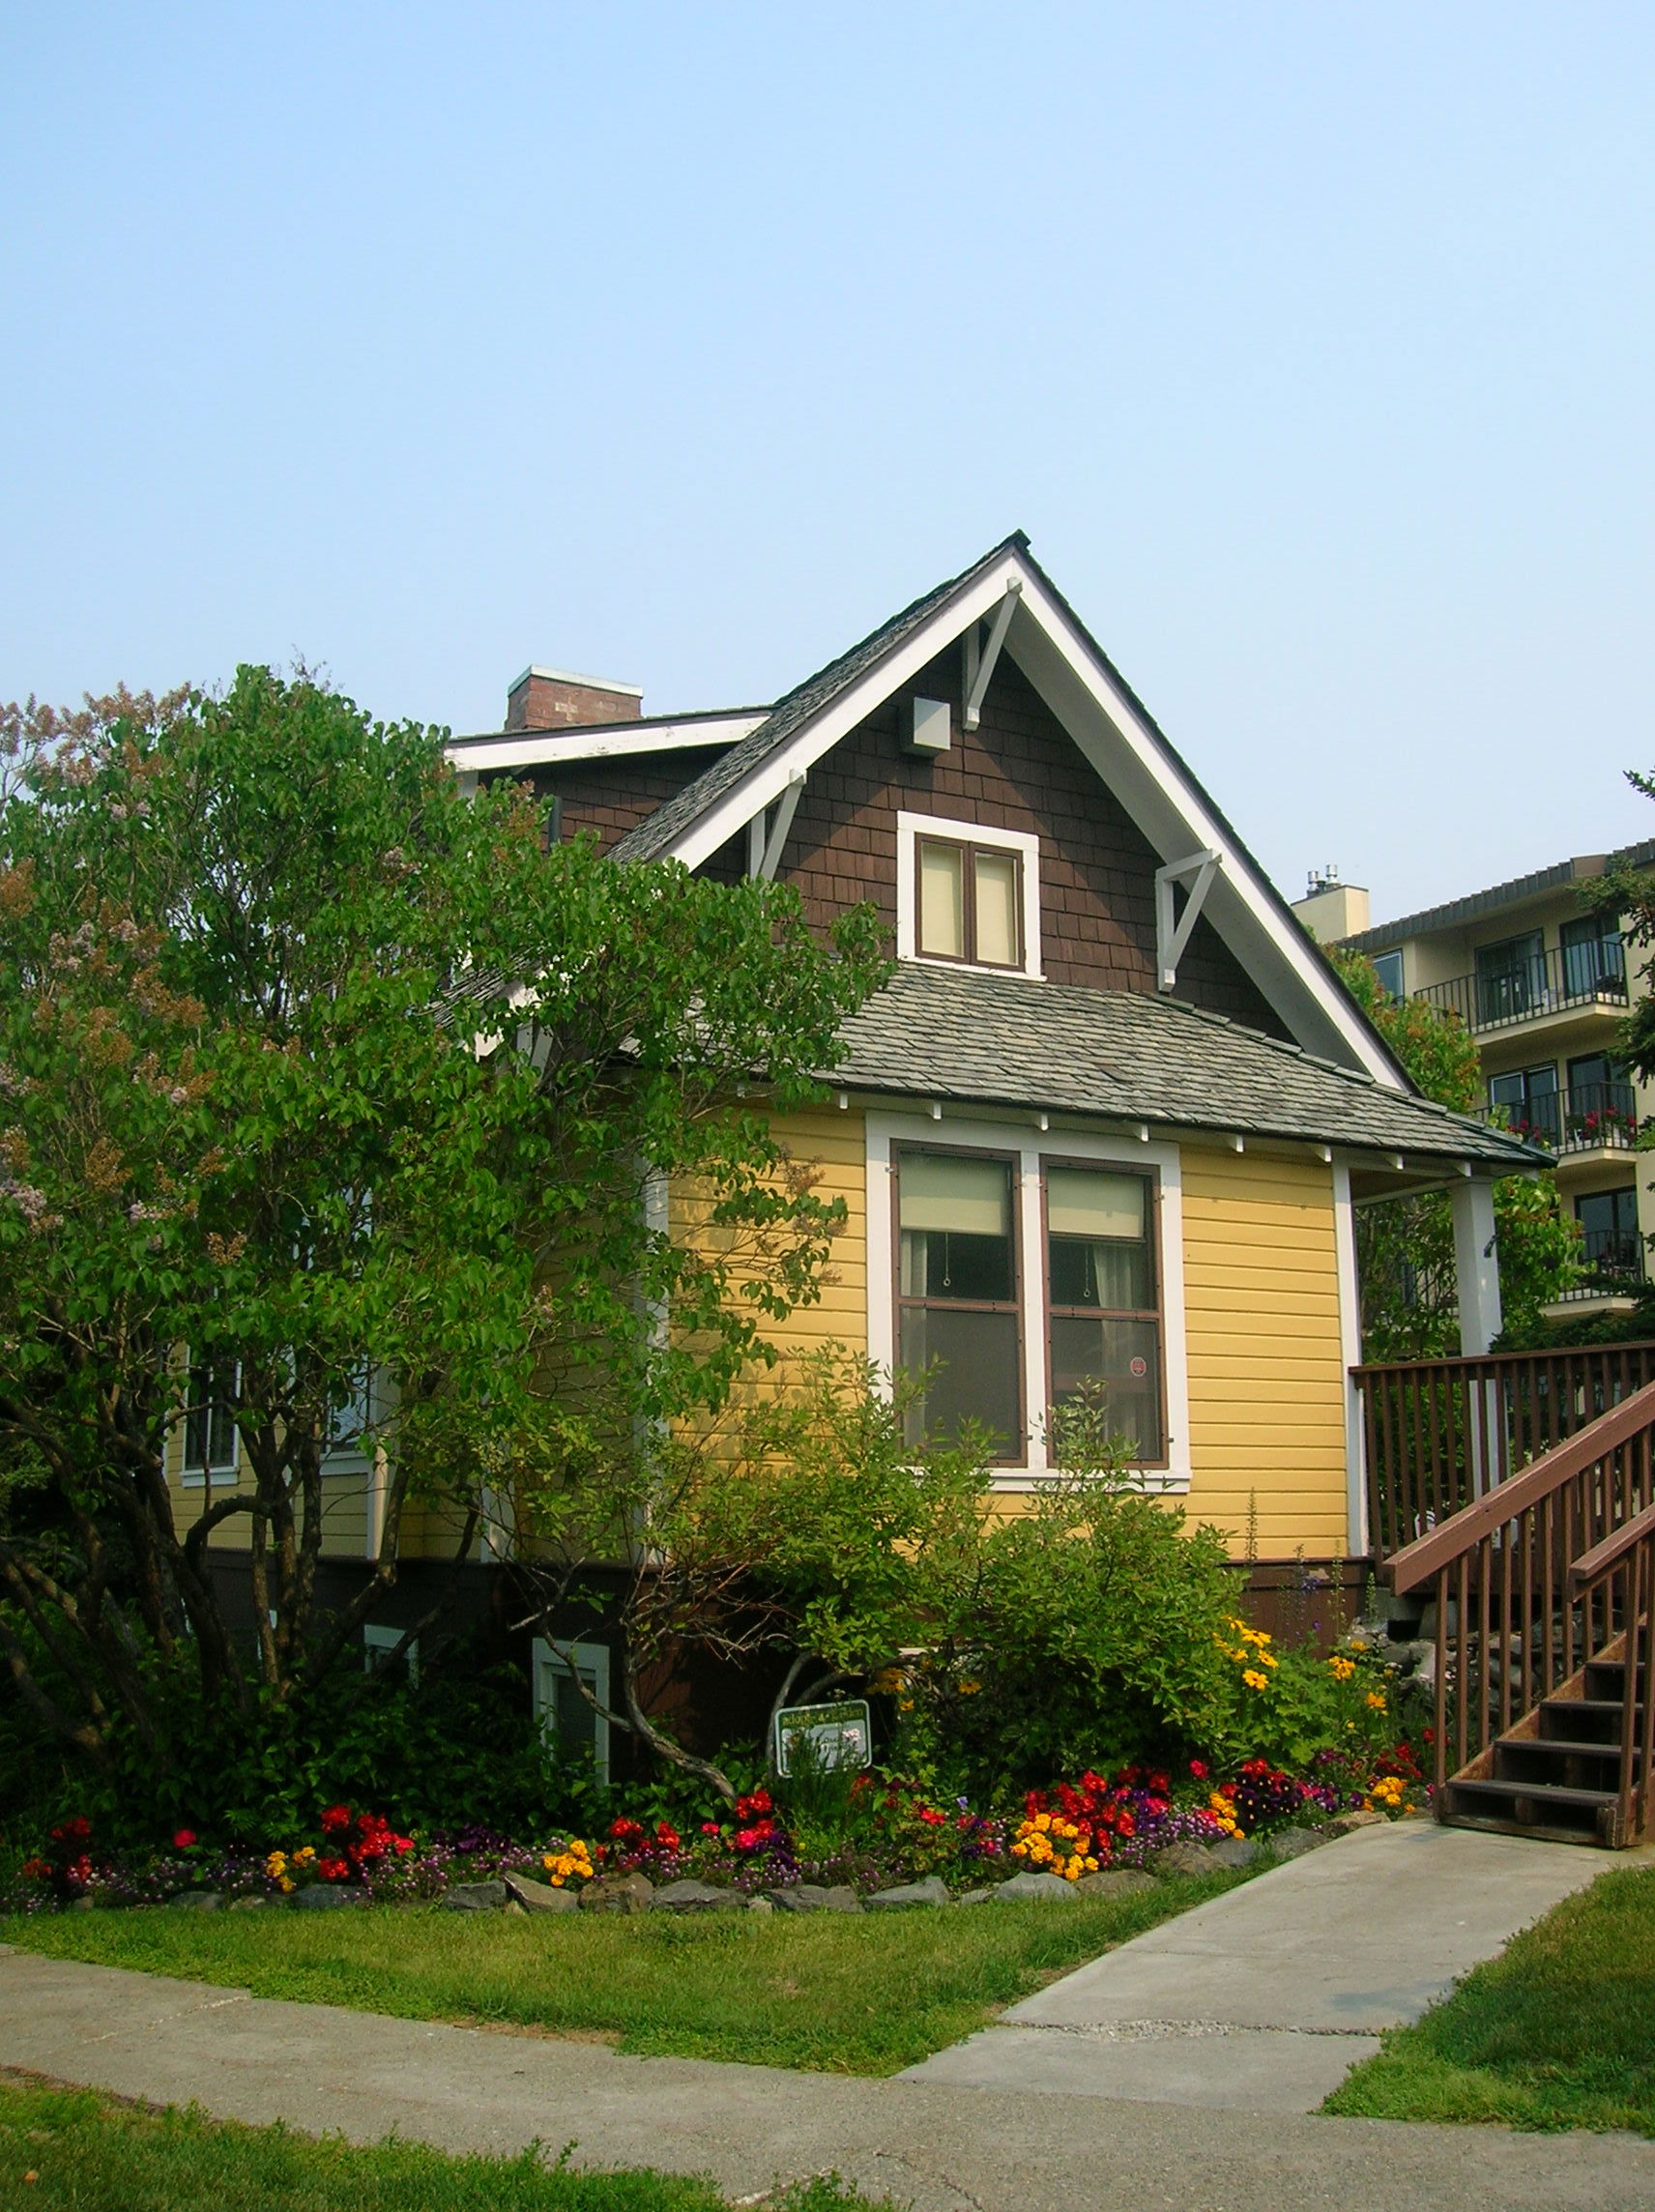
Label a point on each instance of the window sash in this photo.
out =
(1122, 1321)
(944, 1197)
(952, 865)
(209, 1435)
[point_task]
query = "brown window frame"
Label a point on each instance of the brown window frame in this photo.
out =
(1017, 1452)
(1156, 1312)
(970, 849)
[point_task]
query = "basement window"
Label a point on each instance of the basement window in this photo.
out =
(562, 1674)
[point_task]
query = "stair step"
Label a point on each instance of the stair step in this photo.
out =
(1548, 1793)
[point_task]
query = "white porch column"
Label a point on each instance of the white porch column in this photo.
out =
(1476, 1264)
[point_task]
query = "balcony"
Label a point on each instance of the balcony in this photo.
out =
(1586, 1118)
(1568, 976)
(1615, 1269)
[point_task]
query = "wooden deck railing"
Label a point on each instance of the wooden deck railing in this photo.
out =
(1537, 1578)
(1439, 1433)
(1616, 1580)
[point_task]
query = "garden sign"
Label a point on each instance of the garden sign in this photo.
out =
(840, 1736)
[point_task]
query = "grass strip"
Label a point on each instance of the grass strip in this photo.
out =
(73, 2150)
(835, 1992)
(1557, 2033)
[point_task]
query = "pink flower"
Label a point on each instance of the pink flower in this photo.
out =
(184, 1839)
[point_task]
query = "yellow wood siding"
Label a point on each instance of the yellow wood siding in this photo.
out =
(1266, 1371)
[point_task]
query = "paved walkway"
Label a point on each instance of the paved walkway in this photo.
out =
(926, 2139)
(1262, 2000)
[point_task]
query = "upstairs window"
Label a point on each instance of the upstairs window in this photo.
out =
(210, 1420)
(968, 894)
(970, 904)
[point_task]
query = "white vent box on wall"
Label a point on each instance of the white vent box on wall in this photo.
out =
(928, 730)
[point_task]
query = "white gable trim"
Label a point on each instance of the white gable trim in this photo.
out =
(535, 749)
(1058, 660)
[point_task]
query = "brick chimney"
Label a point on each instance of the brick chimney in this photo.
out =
(552, 699)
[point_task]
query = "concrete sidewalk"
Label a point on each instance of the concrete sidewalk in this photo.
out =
(1262, 2000)
(970, 2140)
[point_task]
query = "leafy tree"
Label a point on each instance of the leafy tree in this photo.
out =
(1405, 1246)
(317, 1066)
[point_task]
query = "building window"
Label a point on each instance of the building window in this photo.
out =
(561, 1705)
(1388, 967)
(1529, 1099)
(968, 894)
(1103, 1313)
(345, 1432)
(1511, 977)
(957, 1296)
(1594, 963)
(1609, 1226)
(970, 904)
(210, 1420)
(378, 1640)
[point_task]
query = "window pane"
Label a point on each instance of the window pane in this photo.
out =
(1126, 1358)
(573, 1719)
(948, 1191)
(1099, 1274)
(976, 1377)
(210, 1425)
(1388, 967)
(1080, 1203)
(998, 896)
(937, 1264)
(942, 900)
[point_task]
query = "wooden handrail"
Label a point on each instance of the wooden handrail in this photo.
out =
(1467, 1360)
(1430, 1554)
(1613, 1547)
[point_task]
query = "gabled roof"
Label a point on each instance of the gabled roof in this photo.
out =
(960, 1035)
(494, 749)
(1107, 721)
(653, 838)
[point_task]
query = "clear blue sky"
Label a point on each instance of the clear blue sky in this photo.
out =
(1310, 344)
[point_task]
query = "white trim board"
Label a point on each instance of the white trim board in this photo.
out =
(1128, 756)
(1030, 1146)
(1350, 1353)
(610, 740)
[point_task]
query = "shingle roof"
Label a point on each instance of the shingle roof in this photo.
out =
(948, 1032)
(1476, 904)
(651, 837)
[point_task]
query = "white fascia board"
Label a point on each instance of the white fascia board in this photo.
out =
(1173, 815)
(805, 747)
(538, 749)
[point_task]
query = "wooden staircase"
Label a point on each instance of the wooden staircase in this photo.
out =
(1544, 1588)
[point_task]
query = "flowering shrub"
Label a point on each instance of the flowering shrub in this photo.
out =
(1052, 1844)
(571, 1864)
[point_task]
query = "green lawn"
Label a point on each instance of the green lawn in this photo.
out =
(847, 1993)
(1557, 2033)
(69, 2150)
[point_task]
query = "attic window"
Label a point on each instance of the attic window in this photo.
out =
(968, 896)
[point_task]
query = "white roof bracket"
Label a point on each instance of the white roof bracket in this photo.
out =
(765, 838)
(1196, 874)
(981, 667)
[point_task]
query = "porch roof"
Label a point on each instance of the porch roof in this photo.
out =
(1005, 1040)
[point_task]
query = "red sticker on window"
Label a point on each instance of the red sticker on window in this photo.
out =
(1140, 1367)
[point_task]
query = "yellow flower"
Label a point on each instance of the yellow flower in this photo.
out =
(970, 1689)
(1341, 1669)
(1255, 1680)
(1376, 1701)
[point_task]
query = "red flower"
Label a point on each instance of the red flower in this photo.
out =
(709, 1827)
(334, 1869)
(931, 1818)
(1197, 1767)
(401, 1843)
(336, 1818)
(667, 1836)
(36, 1868)
(184, 1839)
(72, 1831)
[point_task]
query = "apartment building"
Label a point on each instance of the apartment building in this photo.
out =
(1543, 981)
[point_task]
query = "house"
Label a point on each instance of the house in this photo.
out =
(1111, 1114)
(1541, 979)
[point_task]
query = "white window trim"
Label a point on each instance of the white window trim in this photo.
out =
(569, 1659)
(376, 1637)
(192, 1477)
(886, 1131)
(909, 828)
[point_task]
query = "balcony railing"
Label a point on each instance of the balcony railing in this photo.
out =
(1586, 1118)
(1545, 983)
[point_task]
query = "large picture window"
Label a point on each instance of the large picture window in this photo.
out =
(1102, 1304)
(957, 1296)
